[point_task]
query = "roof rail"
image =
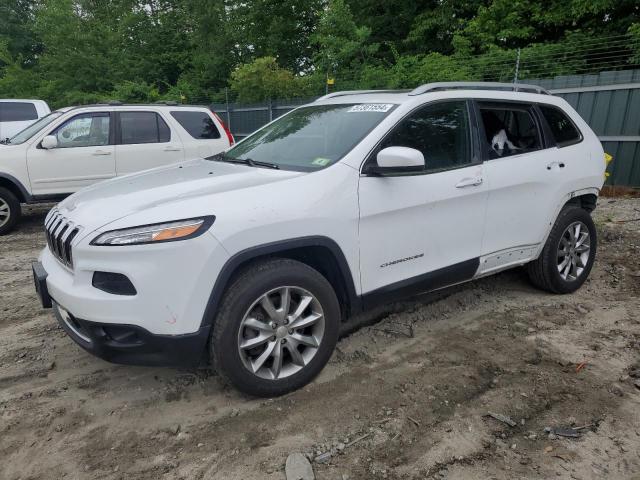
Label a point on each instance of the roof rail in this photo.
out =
(515, 87)
(357, 92)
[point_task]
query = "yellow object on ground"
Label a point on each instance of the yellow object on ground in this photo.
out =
(607, 158)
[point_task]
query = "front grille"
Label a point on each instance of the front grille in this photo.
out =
(60, 232)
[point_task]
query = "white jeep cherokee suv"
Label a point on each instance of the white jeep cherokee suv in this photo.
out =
(254, 257)
(75, 147)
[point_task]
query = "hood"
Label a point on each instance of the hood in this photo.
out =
(6, 147)
(111, 200)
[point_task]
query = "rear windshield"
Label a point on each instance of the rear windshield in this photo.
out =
(17, 112)
(313, 137)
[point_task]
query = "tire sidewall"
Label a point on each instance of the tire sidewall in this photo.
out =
(566, 218)
(224, 348)
(14, 210)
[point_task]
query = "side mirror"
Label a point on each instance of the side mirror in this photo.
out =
(397, 160)
(49, 142)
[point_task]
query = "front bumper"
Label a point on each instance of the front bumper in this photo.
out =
(123, 343)
(132, 345)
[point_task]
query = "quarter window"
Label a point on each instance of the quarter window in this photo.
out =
(440, 131)
(90, 130)
(143, 127)
(199, 125)
(509, 130)
(17, 112)
(562, 128)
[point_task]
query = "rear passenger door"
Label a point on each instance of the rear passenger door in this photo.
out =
(524, 179)
(144, 140)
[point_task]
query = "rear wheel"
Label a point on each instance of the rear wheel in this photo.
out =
(568, 255)
(9, 210)
(276, 328)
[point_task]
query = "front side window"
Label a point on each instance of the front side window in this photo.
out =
(199, 125)
(311, 138)
(143, 127)
(509, 129)
(440, 131)
(88, 130)
(562, 128)
(17, 112)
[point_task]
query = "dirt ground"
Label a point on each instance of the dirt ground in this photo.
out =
(404, 397)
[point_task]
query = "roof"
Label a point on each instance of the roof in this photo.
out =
(130, 105)
(32, 100)
(497, 90)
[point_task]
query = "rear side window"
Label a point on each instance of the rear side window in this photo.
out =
(200, 125)
(17, 112)
(143, 127)
(563, 129)
(510, 129)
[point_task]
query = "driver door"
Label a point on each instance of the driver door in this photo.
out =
(422, 231)
(84, 155)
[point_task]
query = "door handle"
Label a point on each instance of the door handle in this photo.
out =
(98, 153)
(469, 182)
(553, 164)
(172, 149)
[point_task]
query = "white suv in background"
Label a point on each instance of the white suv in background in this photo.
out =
(72, 148)
(16, 115)
(254, 257)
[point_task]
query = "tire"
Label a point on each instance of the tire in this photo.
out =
(247, 303)
(545, 272)
(9, 210)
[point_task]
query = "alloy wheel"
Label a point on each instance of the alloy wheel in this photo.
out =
(281, 332)
(5, 212)
(573, 251)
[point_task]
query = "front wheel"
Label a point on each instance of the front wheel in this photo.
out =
(277, 326)
(9, 210)
(568, 255)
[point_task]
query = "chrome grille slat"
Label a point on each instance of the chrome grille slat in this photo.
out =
(60, 233)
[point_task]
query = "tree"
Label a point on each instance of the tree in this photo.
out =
(342, 48)
(273, 28)
(264, 79)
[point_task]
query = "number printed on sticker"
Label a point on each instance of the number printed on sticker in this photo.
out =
(371, 107)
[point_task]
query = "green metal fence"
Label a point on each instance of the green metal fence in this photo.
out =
(609, 102)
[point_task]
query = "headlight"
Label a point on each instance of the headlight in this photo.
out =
(156, 233)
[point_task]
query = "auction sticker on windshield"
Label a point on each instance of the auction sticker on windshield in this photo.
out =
(371, 107)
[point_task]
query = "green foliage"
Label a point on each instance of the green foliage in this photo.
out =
(341, 45)
(264, 79)
(197, 51)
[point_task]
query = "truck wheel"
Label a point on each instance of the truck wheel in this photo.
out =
(276, 328)
(9, 210)
(568, 255)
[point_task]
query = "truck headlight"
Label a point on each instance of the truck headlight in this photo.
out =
(155, 233)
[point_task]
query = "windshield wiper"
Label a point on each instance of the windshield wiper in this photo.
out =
(6, 141)
(221, 157)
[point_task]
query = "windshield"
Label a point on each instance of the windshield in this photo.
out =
(34, 128)
(311, 138)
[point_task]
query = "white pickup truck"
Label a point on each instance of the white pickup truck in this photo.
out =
(16, 115)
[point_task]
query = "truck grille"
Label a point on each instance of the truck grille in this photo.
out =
(60, 233)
